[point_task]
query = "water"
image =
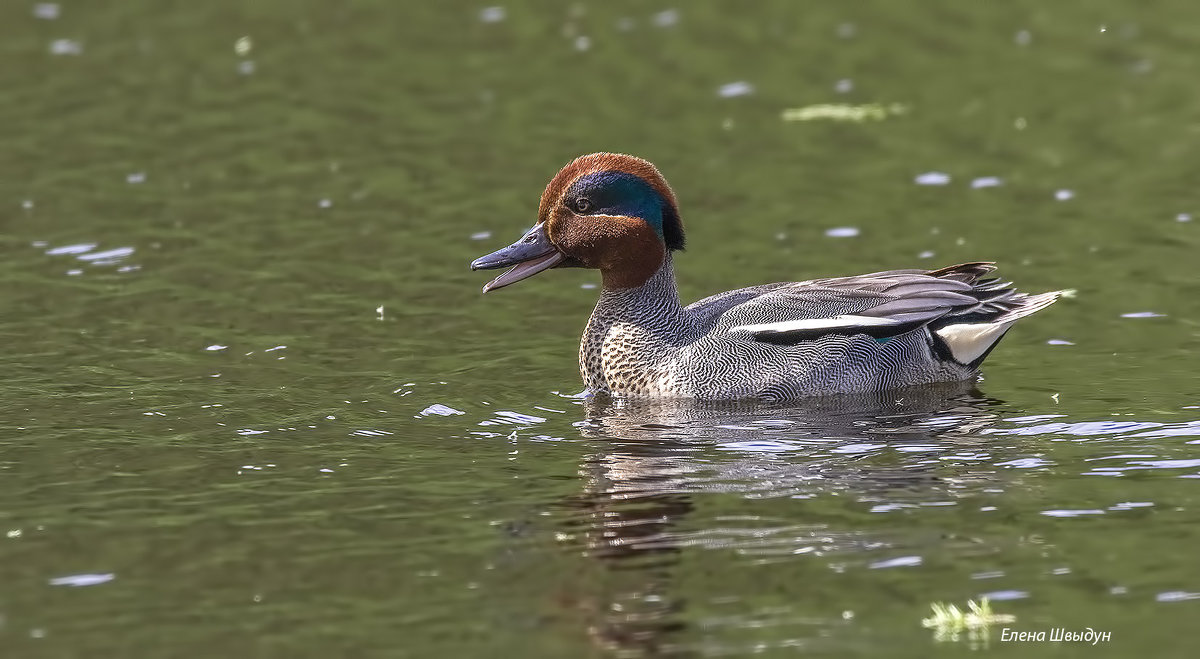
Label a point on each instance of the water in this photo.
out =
(255, 405)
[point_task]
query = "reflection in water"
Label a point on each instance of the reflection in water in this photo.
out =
(638, 491)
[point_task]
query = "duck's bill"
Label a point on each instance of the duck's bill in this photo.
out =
(528, 256)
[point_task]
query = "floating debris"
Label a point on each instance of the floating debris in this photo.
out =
(932, 178)
(379, 312)
(1064, 194)
(66, 47)
(492, 14)
(986, 182)
(842, 232)
(243, 46)
(667, 18)
(437, 409)
(47, 11)
(948, 622)
(215, 347)
(739, 88)
(1060, 342)
(844, 112)
(1143, 314)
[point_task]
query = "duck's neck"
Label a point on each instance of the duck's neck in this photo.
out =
(633, 333)
(653, 306)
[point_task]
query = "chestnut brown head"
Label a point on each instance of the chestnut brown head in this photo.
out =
(607, 211)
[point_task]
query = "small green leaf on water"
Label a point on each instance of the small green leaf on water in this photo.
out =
(844, 112)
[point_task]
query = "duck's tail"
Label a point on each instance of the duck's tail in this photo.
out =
(968, 338)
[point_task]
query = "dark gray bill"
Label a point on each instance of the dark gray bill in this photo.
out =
(528, 256)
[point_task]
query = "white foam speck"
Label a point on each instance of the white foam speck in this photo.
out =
(78, 248)
(47, 11)
(1060, 342)
(902, 561)
(667, 18)
(28, 205)
(587, 286)
(1064, 194)
(109, 255)
(325, 203)
(1023, 37)
(492, 14)
(842, 232)
(986, 182)
(481, 235)
(246, 67)
(135, 178)
(844, 86)
(739, 88)
(1183, 217)
(932, 178)
(78, 580)
(1143, 314)
(215, 347)
(927, 254)
(1176, 596)
(66, 47)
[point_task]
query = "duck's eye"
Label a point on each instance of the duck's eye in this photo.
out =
(581, 205)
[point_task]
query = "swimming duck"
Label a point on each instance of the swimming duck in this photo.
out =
(616, 213)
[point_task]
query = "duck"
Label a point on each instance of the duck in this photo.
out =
(873, 332)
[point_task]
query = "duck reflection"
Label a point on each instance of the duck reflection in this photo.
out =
(640, 488)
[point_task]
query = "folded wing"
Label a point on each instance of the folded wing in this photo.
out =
(965, 312)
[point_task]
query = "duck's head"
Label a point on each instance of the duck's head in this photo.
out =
(607, 211)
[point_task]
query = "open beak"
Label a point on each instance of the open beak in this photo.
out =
(528, 256)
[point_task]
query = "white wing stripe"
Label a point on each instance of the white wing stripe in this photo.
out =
(811, 324)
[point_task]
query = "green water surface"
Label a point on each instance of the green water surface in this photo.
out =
(254, 404)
